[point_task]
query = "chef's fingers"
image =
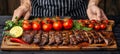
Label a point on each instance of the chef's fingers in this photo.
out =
(104, 16)
(17, 13)
(98, 14)
(27, 15)
(89, 13)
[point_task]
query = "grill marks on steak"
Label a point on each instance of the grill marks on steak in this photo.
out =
(97, 38)
(90, 37)
(37, 37)
(51, 37)
(83, 36)
(66, 37)
(73, 39)
(44, 39)
(107, 40)
(78, 36)
(58, 37)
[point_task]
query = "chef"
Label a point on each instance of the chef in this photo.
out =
(42, 8)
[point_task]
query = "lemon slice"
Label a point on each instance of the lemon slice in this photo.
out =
(16, 31)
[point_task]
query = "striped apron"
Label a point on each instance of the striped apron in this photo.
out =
(42, 8)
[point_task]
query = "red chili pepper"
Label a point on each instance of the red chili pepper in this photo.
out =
(17, 40)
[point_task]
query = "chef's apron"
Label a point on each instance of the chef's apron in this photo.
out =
(43, 8)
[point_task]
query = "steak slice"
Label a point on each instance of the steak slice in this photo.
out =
(84, 37)
(58, 37)
(78, 36)
(90, 37)
(65, 37)
(28, 36)
(73, 39)
(37, 37)
(96, 37)
(45, 39)
(107, 40)
(51, 37)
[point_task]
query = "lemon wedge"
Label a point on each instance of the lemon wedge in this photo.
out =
(16, 31)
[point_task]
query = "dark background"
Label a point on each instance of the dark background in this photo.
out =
(111, 7)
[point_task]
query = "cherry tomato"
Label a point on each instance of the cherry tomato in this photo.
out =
(46, 20)
(26, 26)
(57, 25)
(105, 21)
(93, 21)
(47, 27)
(36, 25)
(86, 21)
(25, 22)
(70, 20)
(80, 21)
(102, 26)
(97, 27)
(91, 25)
(67, 25)
(38, 20)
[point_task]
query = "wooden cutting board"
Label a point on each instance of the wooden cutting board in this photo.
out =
(81, 46)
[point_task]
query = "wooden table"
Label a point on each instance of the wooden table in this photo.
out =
(116, 31)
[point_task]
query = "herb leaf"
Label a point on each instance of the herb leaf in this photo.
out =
(78, 26)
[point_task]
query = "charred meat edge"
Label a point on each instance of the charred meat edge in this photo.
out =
(108, 41)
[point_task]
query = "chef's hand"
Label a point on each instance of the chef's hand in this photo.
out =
(96, 13)
(23, 10)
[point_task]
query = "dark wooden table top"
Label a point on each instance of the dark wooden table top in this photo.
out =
(116, 31)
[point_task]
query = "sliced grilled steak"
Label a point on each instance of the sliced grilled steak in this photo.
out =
(51, 37)
(108, 41)
(90, 38)
(58, 37)
(84, 37)
(107, 34)
(73, 39)
(37, 37)
(45, 39)
(96, 37)
(28, 36)
(65, 37)
(78, 36)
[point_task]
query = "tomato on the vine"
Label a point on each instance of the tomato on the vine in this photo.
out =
(68, 24)
(80, 21)
(93, 21)
(102, 26)
(26, 26)
(97, 27)
(57, 25)
(36, 25)
(105, 21)
(91, 25)
(47, 27)
(86, 21)
(25, 22)
(46, 20)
